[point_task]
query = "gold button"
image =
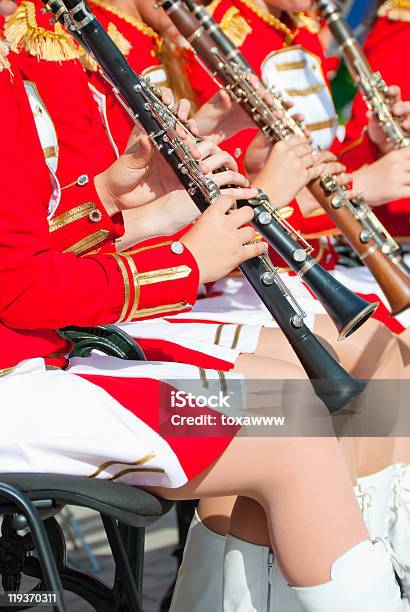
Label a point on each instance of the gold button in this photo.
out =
(95, 216)
(177, 247)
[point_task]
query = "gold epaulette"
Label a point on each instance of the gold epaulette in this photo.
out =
(235, 26)
(4, 51)
(22, 32)
(310, 23)
(396, 10)
(87, 60)
(211, 8)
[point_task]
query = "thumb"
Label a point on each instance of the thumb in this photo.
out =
(138, 152)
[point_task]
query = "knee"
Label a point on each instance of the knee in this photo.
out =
(374, 329)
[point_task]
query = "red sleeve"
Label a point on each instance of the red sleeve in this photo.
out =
(44, 288)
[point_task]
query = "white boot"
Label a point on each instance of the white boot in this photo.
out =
(374, 494)
(362, 580)
(199, 584)
(400, 522)
(252, 580)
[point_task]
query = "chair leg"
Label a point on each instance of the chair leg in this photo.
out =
(124, 577)
(48, 566)
(88, 588)
(134, 542)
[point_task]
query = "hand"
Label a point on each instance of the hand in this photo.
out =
(385, 180)
(129, 182)
(221, 117)
(400, 109)
(291, 166)
(218, 240)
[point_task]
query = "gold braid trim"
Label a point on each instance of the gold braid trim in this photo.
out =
(87, 60)
(136, 23)
(273, 21)
(4, 51)
(22, 32)
(235, 26)
(396, 10)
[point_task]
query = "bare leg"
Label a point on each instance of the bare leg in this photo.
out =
(215, 513)
(404, 344)
(372, 352)
(305, 490)
(402, 450)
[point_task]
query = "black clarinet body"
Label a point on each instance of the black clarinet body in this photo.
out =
(333, 385)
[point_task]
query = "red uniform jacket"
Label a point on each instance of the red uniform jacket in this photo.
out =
(45, 288)
(139, 43)
(388, 50)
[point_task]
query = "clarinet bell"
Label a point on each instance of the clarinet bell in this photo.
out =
(347, 310)
(338, 394)
(354, 315)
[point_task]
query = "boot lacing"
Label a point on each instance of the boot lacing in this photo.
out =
(365, 499)
(401, 496)
(401, 500)
(398, 566)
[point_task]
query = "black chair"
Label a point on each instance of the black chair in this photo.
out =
(125, 512)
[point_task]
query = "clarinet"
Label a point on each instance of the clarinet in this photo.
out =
(333, 385)
(371, 84)
(375, 247)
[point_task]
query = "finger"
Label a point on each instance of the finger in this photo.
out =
(225, 100)
(206, 147)
(241, 216)
(394, 93)
(401, 109)
(324, 156)
(299, 117)
(240, 194)
(246, 234)
(321, 169)
(219, 160)
(344, 179)
(351, 194)
(335, 168)
(229, 177)
(223, 204)
(166, 96)
(193, 127)
(253, 250)
(303, 149)
(193, 148)
(295, 141)
(183, 109)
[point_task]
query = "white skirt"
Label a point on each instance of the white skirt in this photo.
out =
(55, 421)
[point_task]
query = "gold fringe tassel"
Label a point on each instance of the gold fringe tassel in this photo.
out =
(4, 51)
(235, 26)
(396, 10)
(22, 32)
(87, 60)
